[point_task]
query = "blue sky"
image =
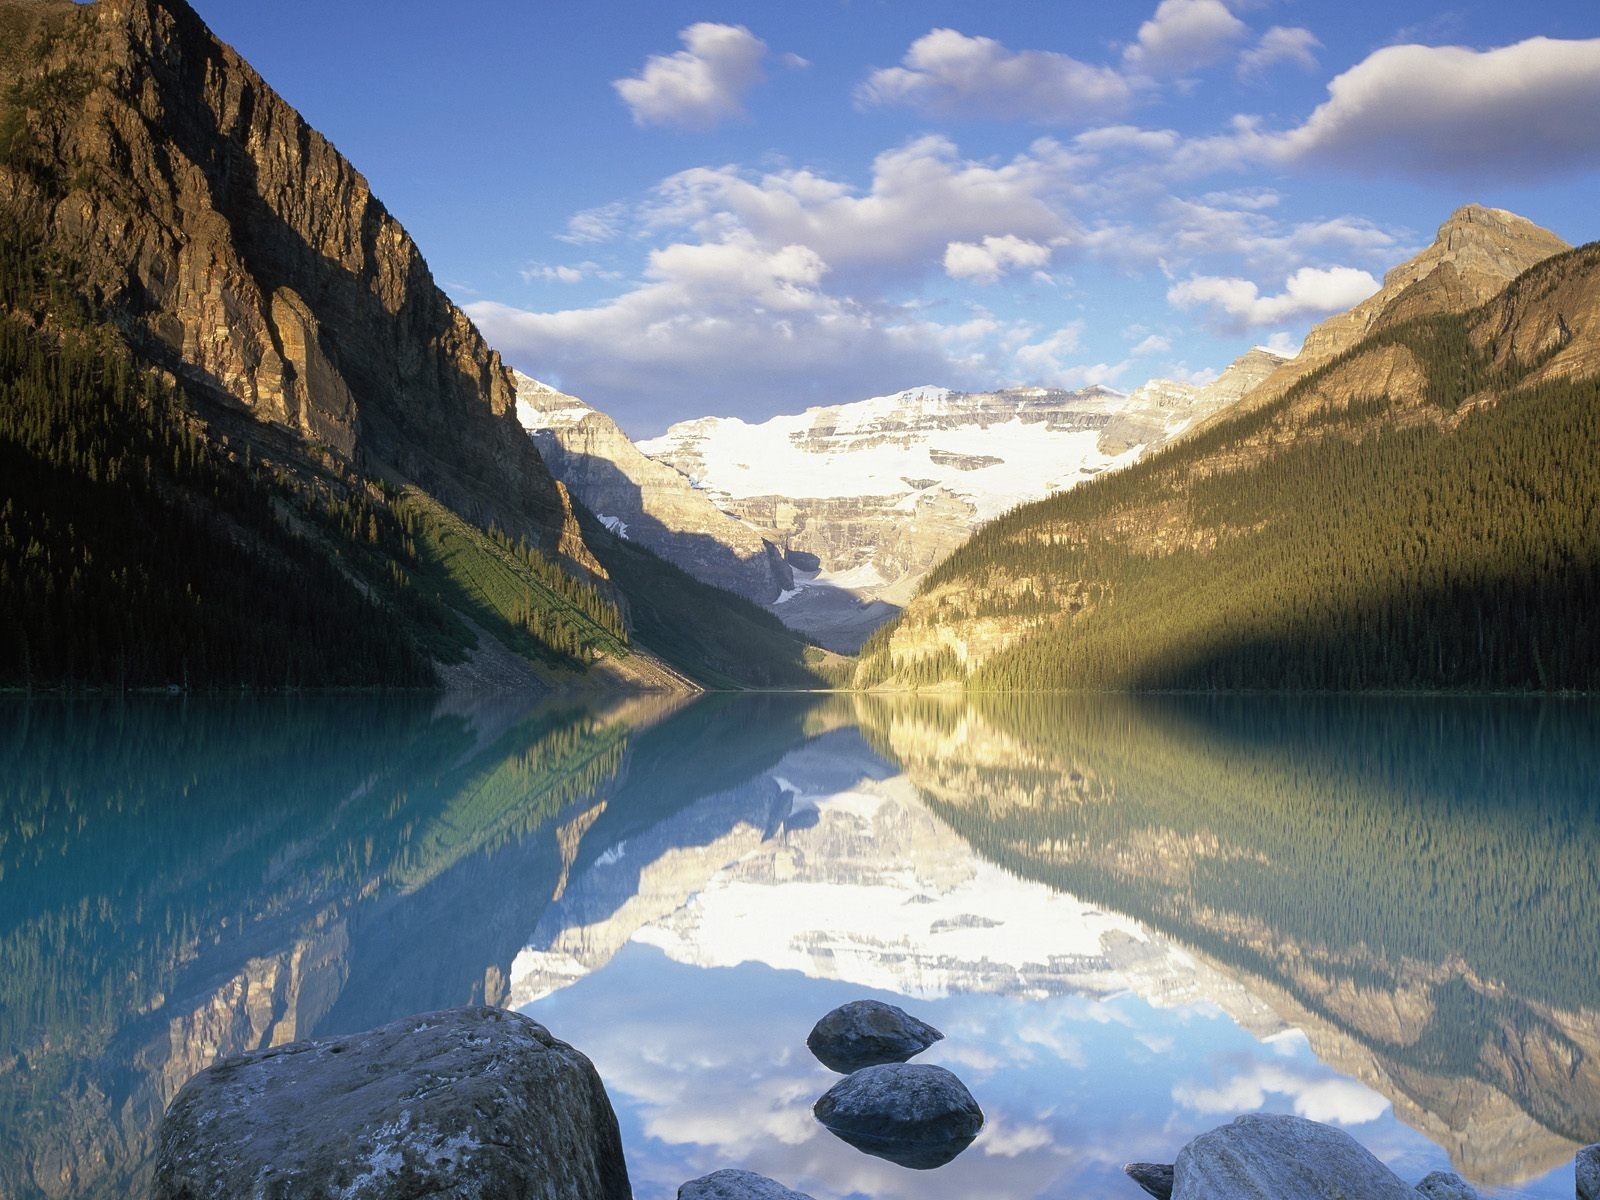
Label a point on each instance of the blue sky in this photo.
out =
(683, 209)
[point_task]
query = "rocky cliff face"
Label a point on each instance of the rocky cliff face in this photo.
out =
(866, 498)
(1475, 254)
(238, 248)
(646, 501)
(1165, 408)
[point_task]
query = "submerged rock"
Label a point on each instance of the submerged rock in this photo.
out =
(1155, 1178)
(916, 1115)
(1268, 1156)
(868, 1033)
(1587, 1169)
(737, 1185)
(472, 1101)
(1446, 1185)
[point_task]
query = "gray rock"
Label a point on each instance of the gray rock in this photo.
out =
(916, 1115)
(867, 1033)
(470, 1102)
(1268, 1156)
(1155, 1178)
(737, 1185)
(1587, 1169)
(1446, 1185)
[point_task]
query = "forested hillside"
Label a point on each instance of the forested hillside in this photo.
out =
(245, 441)
(1419, 512)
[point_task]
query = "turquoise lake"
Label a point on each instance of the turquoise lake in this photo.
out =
(1133, 919)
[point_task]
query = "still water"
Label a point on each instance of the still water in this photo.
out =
(1133, 920)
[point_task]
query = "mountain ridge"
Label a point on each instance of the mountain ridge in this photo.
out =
(248, 440)
(1415, 511)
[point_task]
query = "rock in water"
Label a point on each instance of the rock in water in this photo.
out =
(472, 1101)
(867, 1033)
(1587, 1169)
(1268, 1156)
(1155, 1178)
(737, 1185)
(918, 1116)
(1446, 1185)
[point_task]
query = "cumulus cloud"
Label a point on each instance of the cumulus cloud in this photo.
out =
(923, 196)
(987, 261)
(1522, 111)
(952, 74)
(732, 318)
(701, 85)
(1237, 304)
(1155, 343)
(1280, 44)
(1184, 36)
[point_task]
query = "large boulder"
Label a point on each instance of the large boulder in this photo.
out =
(737, 1185)
(868, 1033)
(1268, 1156)
(1446, 1185)
(915, 1115)
(471, 1102)
(1587, 1169)
(1155, 1178)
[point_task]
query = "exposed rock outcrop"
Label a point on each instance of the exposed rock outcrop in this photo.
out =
(1155, 1178)
(865, 1033)
(466, 1102)
(646, 501)
(916, 1115)
(1446, 1185)
(1586, 1169)
(1475, 254)
(1269, 1156)
(239, 249)
(737, 1185)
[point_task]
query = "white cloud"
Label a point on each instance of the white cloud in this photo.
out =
(730, 318)
(1155, 343)
(600, 224)
(1047, 362)
(699, 86)
(1280, 44)
(565, 273)
(1237, 304)
(923, 196)
(1183, 36)
(1518, 112)
(949, 73)
(986, 262)
(1283, 342)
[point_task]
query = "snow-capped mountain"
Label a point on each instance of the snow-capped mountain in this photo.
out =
(871, 495)
(646, 501)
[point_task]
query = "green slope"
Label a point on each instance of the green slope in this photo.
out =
(721, 639)
(1330, 540)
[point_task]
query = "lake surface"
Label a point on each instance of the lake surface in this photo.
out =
(1133, 920)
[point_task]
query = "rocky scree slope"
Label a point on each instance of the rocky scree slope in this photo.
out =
(1416, 511)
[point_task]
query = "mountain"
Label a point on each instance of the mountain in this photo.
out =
(865, 498)
(643, 500)
(1475, 254)
(244, 437)
(1415, 510)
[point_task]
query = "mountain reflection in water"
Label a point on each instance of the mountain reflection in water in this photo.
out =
(1132, 919)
